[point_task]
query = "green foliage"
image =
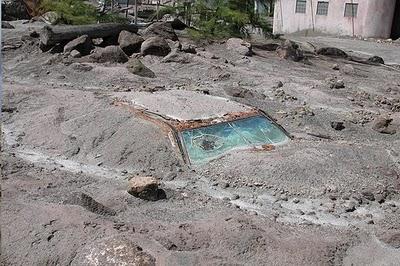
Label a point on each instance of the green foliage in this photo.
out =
(77, 12)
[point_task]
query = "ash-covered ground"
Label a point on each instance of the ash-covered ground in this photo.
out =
(330, 196)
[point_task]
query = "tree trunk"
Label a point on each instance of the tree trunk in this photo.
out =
(59, 34)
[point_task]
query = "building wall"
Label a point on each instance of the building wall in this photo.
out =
(374, 18)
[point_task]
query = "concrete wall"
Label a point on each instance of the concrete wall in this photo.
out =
(374, 18)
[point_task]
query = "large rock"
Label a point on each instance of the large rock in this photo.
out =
(290, 50)
(130, 42)
(135, 66)
(146, 188)
(239, 46)
(155, 46)
(82, 44)
(332, 52)
(114, 250)
(111, 54)
(160, 29)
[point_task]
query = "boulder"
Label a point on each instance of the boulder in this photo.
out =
(111, 54)
(114, 250)
(130, 42)
(82, 44)
(239, 46)
(376, 60)
(155, 46)
(160, 29)
(290, 50)
(135, 66)
(145, 187)
(6, 25)
(176, 57)
(381, 124)
(332, 52)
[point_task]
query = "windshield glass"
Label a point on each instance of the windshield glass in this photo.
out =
(206, 143)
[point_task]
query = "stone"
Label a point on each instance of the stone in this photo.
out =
(155, 46)
(239, 92)
(336, 84)
(176, 57)
(391, 238)
(239, 46)
(337, 125)
(114, 250)
(347, 69)
(177, 24)
(381, 124)
(50, 17)
(6, 25)
(332, 52)
(368, 195)
(290, 50)
(160, 29)
(130, 42)
(350, 206)
(135, 66)
(335, 67)
(189, 48)
(83, 44)
(110, 54)
(145, 187)
(75, 54)
(376, 60)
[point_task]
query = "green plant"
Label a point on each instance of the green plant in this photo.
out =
(77, 12)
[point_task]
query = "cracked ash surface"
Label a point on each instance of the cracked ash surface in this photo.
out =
(329, 197)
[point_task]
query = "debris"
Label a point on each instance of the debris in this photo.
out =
(155, 46)
(82, 44)
(146, 188)
(130, 42)
(332, 51)
(337, 125)
(111, 54)
(239, 46)
(135, 66)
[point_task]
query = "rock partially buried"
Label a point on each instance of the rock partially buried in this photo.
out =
(239, 46)
(146, 188)
(290, 50)
(337, 125)
(332, 52)
(6, 25)
(160, 29)
(111, 54)
(115, 250)
(376, 60)
(155, 46)
(381, 124)
(82, 44)
(135, 66)
(130, 42)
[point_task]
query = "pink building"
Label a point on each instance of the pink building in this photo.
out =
(366, 18)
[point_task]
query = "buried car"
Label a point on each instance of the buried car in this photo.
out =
(205, 127)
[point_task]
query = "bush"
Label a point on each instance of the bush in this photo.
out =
(77, 12)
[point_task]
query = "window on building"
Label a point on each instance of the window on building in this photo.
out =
(322, 8)
(350, 10)
(301, 6)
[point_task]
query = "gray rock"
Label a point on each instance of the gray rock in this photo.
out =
(332, 52)
(160, 29)
(83, 44)
(368, 195)
(135, 66)
(239, 92)
(239, 46)
(111, 54)
(176, 57)
(75, 54)
(376, 60)
(130, 42)
(382, 123)
(50, 17)
(335, 67)
(189, 48)
(114, 250)
(155, 46)
(337, 125)
(348, 69)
